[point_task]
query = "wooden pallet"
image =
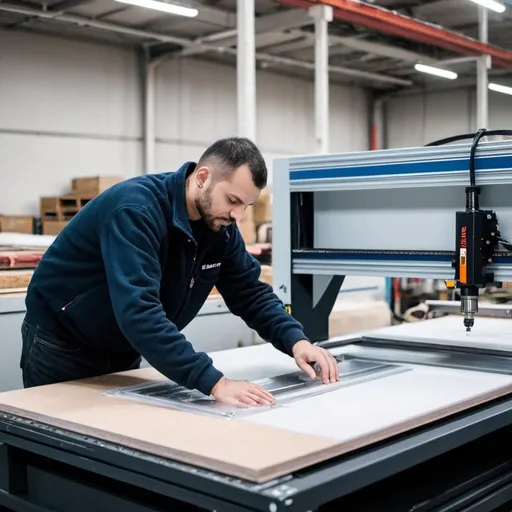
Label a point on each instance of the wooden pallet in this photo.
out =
(63, 208)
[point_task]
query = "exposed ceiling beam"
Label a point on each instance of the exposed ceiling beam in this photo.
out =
(338, 50)
(374, 48)
(66, 5)
(288, 20)
(164, 38)
(390, 22)
(356, 73)
(342, 45)
(381, 49)
(300, 43)
(285, 20)
(82, 21)
(269, 40)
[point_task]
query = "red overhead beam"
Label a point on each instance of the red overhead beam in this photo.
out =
(384, 20)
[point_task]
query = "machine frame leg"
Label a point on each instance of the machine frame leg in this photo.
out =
(312, 314)
(314, 317)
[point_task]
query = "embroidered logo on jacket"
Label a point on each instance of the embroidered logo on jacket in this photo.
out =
(208, 266)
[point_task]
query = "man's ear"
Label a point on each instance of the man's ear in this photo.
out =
(202, 176)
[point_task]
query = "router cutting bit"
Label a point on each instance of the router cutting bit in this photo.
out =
(469, 306)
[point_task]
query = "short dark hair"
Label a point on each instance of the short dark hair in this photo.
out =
(233, 152)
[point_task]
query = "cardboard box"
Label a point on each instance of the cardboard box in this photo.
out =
(95, 185)
(263, 208)
(16, 224)
(53, 227)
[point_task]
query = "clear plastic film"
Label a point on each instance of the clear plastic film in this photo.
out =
(285, 388)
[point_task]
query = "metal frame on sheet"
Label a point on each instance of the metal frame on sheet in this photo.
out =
(34, 457)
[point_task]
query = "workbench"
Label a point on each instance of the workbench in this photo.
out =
(459, 462)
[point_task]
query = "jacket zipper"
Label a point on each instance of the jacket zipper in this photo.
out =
(189, 288)
(192, 280)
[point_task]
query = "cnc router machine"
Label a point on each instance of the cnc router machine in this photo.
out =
(433, 212)
(418, 212)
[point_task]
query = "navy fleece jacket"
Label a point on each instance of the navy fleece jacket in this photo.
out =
(127, 273)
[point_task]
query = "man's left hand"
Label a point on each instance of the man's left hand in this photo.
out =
(305, 353)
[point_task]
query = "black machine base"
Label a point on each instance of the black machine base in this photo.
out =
(460, 464)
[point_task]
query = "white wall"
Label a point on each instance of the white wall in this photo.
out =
(67, 109)
(196, 104)
(71, 109)
(415, 120)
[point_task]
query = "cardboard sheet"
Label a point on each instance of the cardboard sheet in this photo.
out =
(272, 443)
(240, 449)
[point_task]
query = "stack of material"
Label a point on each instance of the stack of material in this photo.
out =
(14, 281)
(16, 224)
(19, 259)
(56, 212)
(19, 256)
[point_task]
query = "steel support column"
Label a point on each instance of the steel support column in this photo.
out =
(148, 100)
(322, 15)
(246, 70)
(482, 75)
(377, 125)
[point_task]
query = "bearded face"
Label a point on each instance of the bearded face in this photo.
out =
(222, 201)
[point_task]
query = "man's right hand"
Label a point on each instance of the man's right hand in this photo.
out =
(241, 392)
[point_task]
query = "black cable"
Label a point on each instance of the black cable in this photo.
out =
(507, 245)
(466, 136)
(472, 175)
(476, 140)
(442, 142)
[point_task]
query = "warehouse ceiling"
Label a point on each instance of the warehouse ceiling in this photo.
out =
(284, 40)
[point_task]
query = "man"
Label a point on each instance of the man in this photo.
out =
(135, 266)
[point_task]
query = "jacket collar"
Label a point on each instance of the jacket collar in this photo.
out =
(176, 187)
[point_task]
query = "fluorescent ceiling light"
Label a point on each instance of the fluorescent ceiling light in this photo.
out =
(163, 6)
(491, 4)
(443, 73)
(500, 88)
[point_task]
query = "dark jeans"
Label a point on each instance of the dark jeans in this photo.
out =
(46, 359)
